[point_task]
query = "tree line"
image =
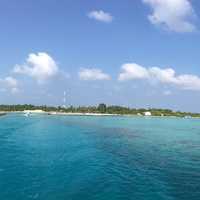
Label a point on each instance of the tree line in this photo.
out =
(101, 108)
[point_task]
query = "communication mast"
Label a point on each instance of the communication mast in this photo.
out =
(64, 99)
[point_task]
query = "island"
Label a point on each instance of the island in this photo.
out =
(99, 110)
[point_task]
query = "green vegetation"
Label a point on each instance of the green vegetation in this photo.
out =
(101, 108)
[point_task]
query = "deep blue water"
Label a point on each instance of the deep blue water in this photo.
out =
(99, 158)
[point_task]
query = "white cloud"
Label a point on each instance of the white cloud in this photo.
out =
(168, 76)
(9, 83)
(132, 71)
(167, 92)
(100, 15)
(15, 90)
(40, 66)
(92, 74)
(175, 15)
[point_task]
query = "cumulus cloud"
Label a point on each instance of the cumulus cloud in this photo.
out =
(175, 15)
(93, 74)
(100, 15)
(9, 83)
(40, 66)
(133, 71)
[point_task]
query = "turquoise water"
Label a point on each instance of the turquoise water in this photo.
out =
(99, 158)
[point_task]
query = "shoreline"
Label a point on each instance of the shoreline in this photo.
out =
(62, 113)
(82, 114)
(32, 112)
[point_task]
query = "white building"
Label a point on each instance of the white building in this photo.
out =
(147, 113)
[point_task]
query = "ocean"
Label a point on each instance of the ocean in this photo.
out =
(99, 158)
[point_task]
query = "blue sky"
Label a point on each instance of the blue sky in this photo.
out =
(138, 53)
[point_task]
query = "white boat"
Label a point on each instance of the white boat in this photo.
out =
(27, 114)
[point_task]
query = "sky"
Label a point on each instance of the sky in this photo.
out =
(136, 53)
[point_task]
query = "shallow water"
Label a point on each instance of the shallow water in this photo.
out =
(101, 158)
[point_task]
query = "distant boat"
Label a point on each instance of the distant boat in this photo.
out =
(27, 114)
(188, 117)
